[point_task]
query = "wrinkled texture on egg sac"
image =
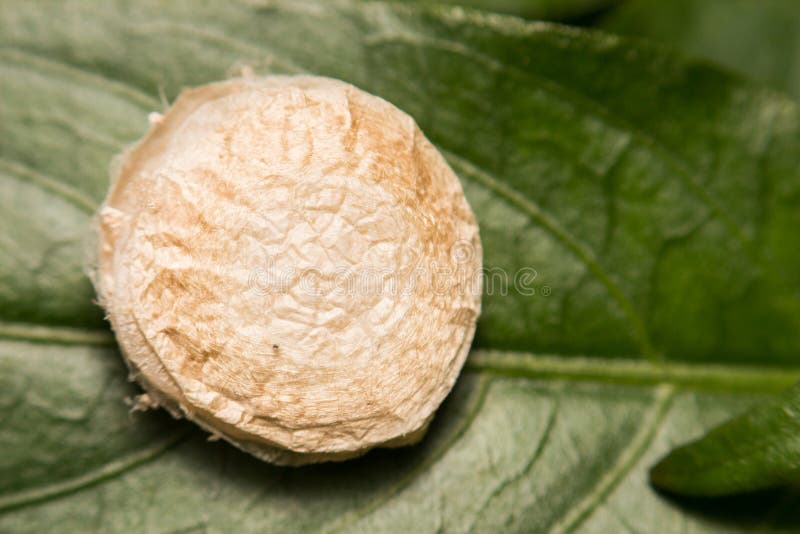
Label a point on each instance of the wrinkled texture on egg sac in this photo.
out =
(290, 263)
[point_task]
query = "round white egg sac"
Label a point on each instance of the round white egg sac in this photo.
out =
(289, 262)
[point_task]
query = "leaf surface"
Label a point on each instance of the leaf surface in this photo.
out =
(649, 202)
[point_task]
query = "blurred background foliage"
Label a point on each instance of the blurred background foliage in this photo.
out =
(758, 38)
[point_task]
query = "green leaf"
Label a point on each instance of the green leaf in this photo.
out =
(757, 450)
(655, 198)
(758, 38)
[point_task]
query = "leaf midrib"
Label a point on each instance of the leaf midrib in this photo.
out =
(741, 378)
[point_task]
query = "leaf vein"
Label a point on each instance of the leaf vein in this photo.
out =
(526, 469)
(354, 516)
(625, 463)
(51, 185)
(51, 491)
(77, 73)
(554, 228)
(56, 335)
